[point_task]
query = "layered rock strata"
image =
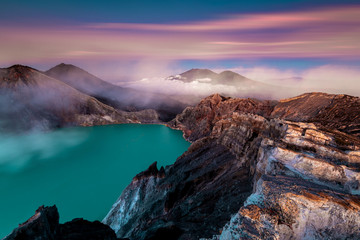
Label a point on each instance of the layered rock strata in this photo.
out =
(251, 175)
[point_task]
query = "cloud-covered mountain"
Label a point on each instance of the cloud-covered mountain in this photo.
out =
(31, 99)
(126, 99)
(199, 83)
(206, 75)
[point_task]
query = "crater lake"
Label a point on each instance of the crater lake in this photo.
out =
(82, 170)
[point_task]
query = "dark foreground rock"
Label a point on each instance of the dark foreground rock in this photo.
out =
(251, 173)
(187, 201)
(44, 225)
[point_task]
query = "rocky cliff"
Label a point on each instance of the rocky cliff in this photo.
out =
(255, 170)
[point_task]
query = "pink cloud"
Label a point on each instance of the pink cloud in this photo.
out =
(317, 33)
(249, 21)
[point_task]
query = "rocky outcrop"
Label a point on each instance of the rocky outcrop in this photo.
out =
(305, 185)
(44, 225)
(186, 200)
(251, 174)
(340, 112)
(197, 122)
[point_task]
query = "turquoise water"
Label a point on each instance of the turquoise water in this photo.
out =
(81, 170)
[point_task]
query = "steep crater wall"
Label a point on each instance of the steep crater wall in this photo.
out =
(248, 175)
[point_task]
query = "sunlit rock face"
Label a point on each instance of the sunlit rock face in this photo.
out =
(304, 188)
(250, 175)
(285, 207)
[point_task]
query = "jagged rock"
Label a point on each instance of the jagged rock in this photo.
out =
(304, 176)
(188, 202)
(341, 112)
(44, 225)
(198, 121)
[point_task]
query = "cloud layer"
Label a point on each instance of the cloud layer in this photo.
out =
(279, 83)
(337, 79)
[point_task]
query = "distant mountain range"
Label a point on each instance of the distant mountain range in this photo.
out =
(68, 95)
(31, 99)
(118, 97)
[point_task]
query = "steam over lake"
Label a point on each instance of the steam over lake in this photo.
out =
(82, 170)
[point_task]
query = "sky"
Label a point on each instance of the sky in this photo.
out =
(126, 40)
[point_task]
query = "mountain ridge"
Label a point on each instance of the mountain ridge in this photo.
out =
(120, 98)
(31, 99)
(85, 81)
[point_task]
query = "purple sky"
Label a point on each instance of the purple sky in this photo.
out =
(119, 40)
